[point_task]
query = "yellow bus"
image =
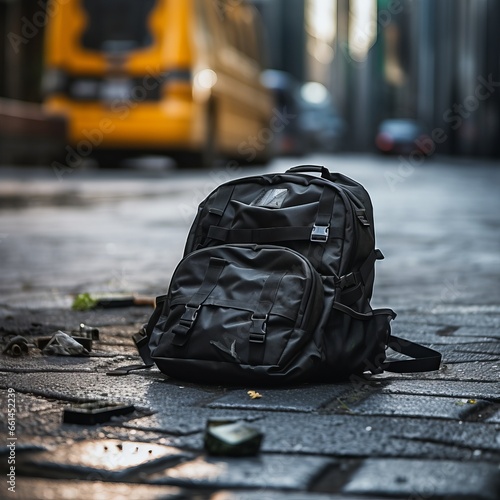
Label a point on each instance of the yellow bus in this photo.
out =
(178, 77)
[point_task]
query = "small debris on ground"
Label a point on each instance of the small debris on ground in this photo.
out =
(254, 394)
(232, 438)
(62, 344)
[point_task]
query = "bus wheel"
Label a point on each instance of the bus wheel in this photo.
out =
(209, 152)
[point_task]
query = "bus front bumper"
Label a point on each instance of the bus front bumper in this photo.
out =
(129, 125)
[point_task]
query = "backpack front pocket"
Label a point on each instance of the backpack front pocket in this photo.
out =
(241, 304)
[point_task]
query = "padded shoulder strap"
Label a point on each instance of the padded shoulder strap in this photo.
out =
(424, 359)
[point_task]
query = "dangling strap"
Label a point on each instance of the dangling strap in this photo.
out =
(424, 359)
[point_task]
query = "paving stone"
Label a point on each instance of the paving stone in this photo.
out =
(451, 388)
(488, 348)
(151, 389)
(442, 333)
(429, 333)
(365, 436)
(438, 339)
(102, 459)
(286, 472)
(426, 479)
(460, 353)
(477, 441)
(43, 489)
(475, 331)
(495, 419)
(174, 403)
(187, 421)
(37, 362)
(473, 317)
(33, 414)
(417, 406)
(39, 422)
(485, 371)
(300, 399)
(481, 371)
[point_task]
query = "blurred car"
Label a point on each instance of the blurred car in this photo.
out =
(401, 136)
(321, 126)
(313, 125)
(288, 139)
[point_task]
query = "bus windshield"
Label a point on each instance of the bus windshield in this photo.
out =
(117, 25)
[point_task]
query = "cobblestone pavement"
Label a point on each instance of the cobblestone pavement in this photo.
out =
(414, 436)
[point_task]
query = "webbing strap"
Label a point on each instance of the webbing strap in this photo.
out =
(216, 210)
(266, 234)
(350, 284)
(424, 359)
(222, 198)
(212, 275)
(368, 265)
(325, 208)
(258, 328)
(322, 228)
(349, 296)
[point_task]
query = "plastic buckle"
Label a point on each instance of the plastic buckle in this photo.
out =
(320, 233)
(189, 316)
(258, 330)
(185, 324)
(348, 280)
(361, 215)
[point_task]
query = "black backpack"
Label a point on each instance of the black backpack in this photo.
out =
(275, 287)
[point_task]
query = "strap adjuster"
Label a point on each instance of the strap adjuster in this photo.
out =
(348, 280)
(320, 233)
(361, 215)
(185, 324)
(189, 316)
(258, 329)
(257, 338)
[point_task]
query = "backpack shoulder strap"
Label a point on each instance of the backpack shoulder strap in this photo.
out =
(424, 359)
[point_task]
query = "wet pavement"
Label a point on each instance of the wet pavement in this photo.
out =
(432, 435)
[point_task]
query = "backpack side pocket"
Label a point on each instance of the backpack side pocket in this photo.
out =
(355, 342)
